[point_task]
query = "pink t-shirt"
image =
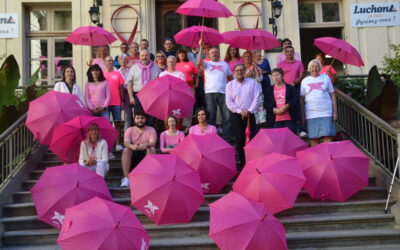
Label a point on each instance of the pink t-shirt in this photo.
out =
(280, 99)
(326, 69)
(115, 80)
(170, 141)
(196, 130)
(291, 70)
(235, 62)
(188, 69)
(137, 137)
(100, 62)
(97, 95)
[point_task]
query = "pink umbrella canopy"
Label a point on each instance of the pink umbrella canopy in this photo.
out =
(274, 179)
(50, 110)
(68, 136)
(339, 50)
(212, 157)
(90, 36)
(237, 222)
(167, 95)
(191, 36)
(278, 140)
(65, 186)
(165, 189)
(204, 8)
(251, 39)
(334, 171)
(102, 224)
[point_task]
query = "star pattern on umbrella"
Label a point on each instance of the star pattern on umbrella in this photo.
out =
(205, 186)
(144, 245)
(58, 218)
(176, 112)
(150, 207)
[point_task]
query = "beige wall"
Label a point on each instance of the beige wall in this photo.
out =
(372, 42)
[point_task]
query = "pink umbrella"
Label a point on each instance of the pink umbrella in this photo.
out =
(339, 50)
(274, 179)
(278, 140)
(251, 39)
(334, 171)
(204, 8)
(101, 224)
(65, 186)
(68, 136)
(212, 157)
(190, 36)
(165, 189)
(50, 110)
(90, 36)
(240, 223)
(167, 95)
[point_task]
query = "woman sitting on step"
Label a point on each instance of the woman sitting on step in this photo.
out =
(94, 152)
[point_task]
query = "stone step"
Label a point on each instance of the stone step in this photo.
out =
(292, 224)
(118, 192)
(295, 240)
(300, 208)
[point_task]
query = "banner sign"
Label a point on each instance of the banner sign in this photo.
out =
(375, 14)
(8, 25)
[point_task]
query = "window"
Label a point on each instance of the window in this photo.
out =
(46, 31)
(319, 13)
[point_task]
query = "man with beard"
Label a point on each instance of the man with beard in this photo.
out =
(139, 141)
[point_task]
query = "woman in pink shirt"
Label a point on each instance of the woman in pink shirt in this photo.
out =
(202, 127)
(328, 70)
(97, 92)
(171, 137)
(232, 57)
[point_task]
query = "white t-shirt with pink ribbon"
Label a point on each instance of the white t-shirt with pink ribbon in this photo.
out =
(216, 74)
(316, 92)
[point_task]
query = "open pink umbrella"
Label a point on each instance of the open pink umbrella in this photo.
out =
(101, 224)
(204, 8)
(251, 39)
(237, 222)
(167, 95)
(50, 110)
(339, 50)
(278, 140)
(212, 157)
(334, 171)
(67, 137)
(65, 186)
(165, 189)
(274, 179)
(90, 36)
(190, 36)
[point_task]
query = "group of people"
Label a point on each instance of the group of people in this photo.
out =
(243, 89)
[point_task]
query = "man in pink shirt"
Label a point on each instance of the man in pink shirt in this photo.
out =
(139, 141)
(282, 57)
(115, 80)
(242, 99)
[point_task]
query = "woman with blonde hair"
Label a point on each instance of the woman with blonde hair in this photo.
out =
(161, 60)
(94, 152)
(101, 53)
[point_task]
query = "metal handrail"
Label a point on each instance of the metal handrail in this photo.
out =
(16, 143)
(372, 134)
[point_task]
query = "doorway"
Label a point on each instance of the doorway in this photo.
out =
(308, 50)
(168, 23)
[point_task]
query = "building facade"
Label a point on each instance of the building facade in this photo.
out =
(42, 26)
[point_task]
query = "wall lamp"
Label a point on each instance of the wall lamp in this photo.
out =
(276, 11)
(94, 12)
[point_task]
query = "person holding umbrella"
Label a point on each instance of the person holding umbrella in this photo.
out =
(202, 127)
(101, 54)
(171, 137)
(68, 83)
(242, 99)
(318, 104)
(326, 69)
(97, 92)
(94, 152)
(139, 141)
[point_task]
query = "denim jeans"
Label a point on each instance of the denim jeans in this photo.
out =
(115, 110)
(105, 114)
(214, 101)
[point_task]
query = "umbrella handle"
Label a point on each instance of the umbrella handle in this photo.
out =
(335, 57)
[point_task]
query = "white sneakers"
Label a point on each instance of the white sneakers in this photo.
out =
(119, 147)
(125, 182)
(303, 134)
(111, 156)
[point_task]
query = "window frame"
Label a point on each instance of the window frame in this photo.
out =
(319, 23)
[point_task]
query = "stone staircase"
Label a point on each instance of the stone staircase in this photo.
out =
(359, 223)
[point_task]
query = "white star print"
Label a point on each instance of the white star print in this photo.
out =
(151, 208)
(144, 245)
(58, 218)
(176, 112)
(205, 186)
